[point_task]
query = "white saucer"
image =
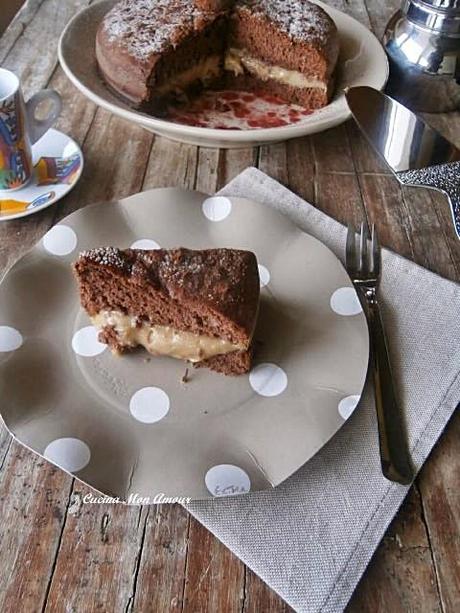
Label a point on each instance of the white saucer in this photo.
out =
(42, 189)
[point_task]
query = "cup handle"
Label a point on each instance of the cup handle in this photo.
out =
(37, 127)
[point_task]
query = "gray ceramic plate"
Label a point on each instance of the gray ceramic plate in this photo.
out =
(362, 62)
(130, 425)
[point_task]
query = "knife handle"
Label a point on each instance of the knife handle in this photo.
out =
(443, 177)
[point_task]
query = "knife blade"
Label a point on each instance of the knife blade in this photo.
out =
(416, 153)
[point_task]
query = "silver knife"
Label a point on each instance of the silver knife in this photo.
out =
(414, 151)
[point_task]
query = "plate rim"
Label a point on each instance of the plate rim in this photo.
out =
(179, 131)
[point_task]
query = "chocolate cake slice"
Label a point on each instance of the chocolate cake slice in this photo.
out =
(287, 48)
(199, 306)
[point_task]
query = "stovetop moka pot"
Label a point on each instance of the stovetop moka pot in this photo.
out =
(423, 44)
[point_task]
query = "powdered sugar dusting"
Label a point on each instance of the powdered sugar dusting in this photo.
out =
(300, 19)
(105, 256)
(147, 27)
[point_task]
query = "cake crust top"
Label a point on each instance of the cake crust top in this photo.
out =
(301, 20)
(145, 28)
(224, 280)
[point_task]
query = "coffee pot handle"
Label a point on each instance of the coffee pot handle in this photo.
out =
(38, 127)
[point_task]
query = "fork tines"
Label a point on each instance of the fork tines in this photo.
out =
(366, 261)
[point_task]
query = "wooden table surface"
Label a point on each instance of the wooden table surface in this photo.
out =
(58, 554)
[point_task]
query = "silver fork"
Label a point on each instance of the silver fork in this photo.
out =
(363, 266)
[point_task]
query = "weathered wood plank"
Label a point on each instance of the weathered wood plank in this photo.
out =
(16, 24)
(77, 112)
(438, 484)
(430, 232)
(33, 501)
(373, 13)
(162, 568)
(273, 161)
(214, 576)
(170, 164)
(382, 199)
(339, 196)
(400, 577)
(33, 56)
(301, 167)
(258, 597)
(116, 153)
(440, 205)
(218, 167)
(209, 161)
(98, 556)
(332, 151)
(233, 162)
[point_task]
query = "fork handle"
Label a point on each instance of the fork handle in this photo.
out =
(394, 453)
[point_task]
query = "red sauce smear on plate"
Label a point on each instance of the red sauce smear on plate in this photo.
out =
(237, 110)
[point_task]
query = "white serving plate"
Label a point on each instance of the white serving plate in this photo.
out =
(362, 62)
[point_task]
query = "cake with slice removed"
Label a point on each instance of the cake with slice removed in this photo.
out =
(152, 51)
(199, 306)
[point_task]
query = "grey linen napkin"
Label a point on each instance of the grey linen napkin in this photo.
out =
(311, 538)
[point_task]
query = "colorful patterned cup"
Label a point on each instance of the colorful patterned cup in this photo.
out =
(19, 129)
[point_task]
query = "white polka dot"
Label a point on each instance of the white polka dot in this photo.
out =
(60, 240)
(149, 404)
(145, 243)
(71, 454)
(217, 208)
(227, 480)
(345, 301)
(85, 342)
(264, 275)
(10, 338)
(348, 405)
(268, 379)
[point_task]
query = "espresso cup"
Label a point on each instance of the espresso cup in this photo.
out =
(19, 129)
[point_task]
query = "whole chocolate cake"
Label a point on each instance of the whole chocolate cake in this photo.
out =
(199, 306)
(151, 50)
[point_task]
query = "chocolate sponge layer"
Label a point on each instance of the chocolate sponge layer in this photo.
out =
(213, 292)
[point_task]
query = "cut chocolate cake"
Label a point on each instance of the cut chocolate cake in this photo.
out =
(199, 306)
(150, 50)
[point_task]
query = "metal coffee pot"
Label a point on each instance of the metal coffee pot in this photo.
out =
(423, 44)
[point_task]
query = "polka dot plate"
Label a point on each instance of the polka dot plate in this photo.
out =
(134, 425)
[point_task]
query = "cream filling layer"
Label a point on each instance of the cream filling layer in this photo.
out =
(206, 69)
(237, 60)
(163, 340)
